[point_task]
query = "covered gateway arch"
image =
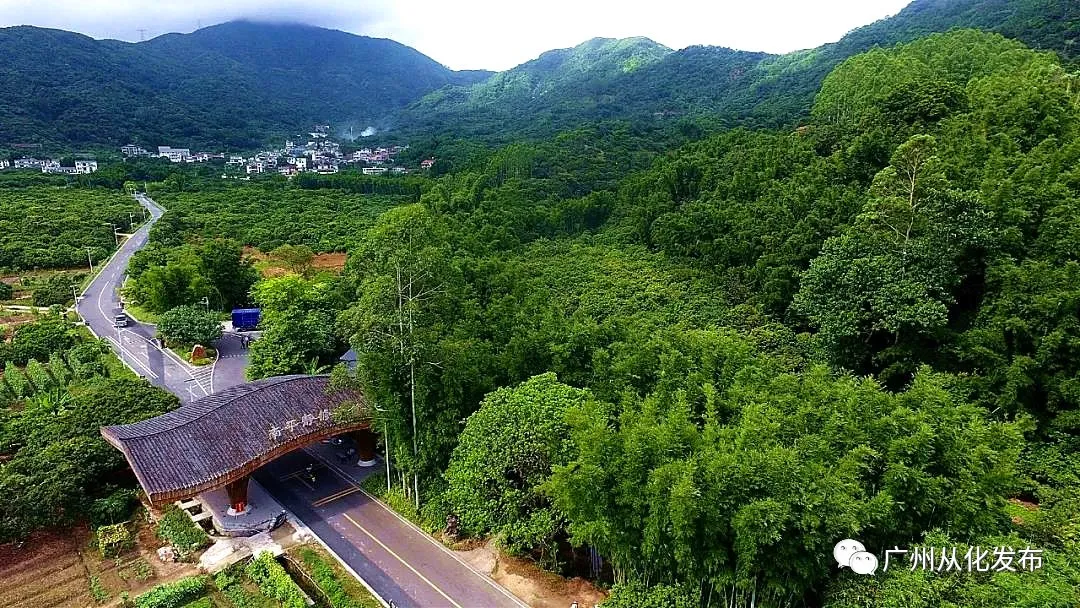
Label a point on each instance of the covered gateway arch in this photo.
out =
(221, 439)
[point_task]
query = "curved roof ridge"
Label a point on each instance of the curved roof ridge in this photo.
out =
(201, 407)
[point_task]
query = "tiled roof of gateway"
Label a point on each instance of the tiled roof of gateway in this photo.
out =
(217, 439)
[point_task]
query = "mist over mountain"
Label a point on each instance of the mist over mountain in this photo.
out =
(230, 85)
(239, 84)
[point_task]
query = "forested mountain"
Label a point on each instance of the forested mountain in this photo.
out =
(230, 85)
(734, 87)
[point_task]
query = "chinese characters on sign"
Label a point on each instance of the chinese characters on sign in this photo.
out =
(853, 554)
(975, 559)
(292, 425)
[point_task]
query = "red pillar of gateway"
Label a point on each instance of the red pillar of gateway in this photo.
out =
(365, 444)
(237, 492)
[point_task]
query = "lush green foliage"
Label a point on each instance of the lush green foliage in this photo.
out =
(165, 277)
(274, 581)
(221, 86)
(177, 529)
(506, 451)
(173, 595)
(325, 220)
(57, 468)
(298, 317)
(189, 325)
(641, 81)
(49, 227)
(340, 588)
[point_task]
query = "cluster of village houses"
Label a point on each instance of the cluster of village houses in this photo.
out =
(48, 165)
(319, 154)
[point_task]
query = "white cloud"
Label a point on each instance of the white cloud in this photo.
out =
(484, 33)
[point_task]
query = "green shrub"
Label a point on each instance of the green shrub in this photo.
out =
(97, 590)
(275, 582)
(114, 508)
(202, 602)
(114, 539)
(177, 529)
(173, 595)
(327, 578)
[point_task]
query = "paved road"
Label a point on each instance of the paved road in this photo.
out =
(399, 561)
(402, 563)
(135, 344)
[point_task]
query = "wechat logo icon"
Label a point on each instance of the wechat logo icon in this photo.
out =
(853, 554)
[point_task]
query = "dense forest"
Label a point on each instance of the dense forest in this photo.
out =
(644, 82)
(708, 365)
(681, 361)
(233, 85)
(53, 226)
(57, 470)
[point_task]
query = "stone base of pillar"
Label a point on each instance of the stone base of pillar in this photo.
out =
(234, 513)
(367, 463)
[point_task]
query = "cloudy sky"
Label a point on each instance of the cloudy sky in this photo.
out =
(490, 34)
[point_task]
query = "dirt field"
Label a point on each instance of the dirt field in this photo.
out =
(54, 570)
(532, 585)
(268, 267)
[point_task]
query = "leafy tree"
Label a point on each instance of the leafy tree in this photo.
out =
(39, 340)
(504, 454)
(6, 291)
(189, 325)
(298, 320)
(407, 287)
(296, 258)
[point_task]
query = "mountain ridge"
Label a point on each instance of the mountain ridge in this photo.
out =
(732, 87)
(229, 85)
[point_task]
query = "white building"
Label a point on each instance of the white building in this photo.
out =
(175, 155)
(4, 163)
(28, 163)
(375, 170)
(85, 166)
(301, 163)
(133, 150)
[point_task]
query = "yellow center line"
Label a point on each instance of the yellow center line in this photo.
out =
(407, 565)
(331, 498)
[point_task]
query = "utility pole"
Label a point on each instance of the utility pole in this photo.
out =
(90, 259)
(131, 221)
(75, 295)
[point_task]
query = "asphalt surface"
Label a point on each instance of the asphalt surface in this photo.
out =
(400, 562)
(136, 345)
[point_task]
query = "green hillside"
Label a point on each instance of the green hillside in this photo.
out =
(231, 85)
(732, 87)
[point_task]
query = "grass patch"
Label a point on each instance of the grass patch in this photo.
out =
(337, 588)
(177, 529)
(142, 315)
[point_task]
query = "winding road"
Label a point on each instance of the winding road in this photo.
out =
(397, 560)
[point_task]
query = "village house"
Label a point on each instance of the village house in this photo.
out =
(131, 150)
(175, 155)
(427, 163)
(28, 163)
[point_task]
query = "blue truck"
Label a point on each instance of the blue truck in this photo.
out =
(245, 319)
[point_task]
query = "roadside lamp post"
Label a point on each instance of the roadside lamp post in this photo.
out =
(206, 302)
(90, 259)
(191, 391)
(75, 295)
